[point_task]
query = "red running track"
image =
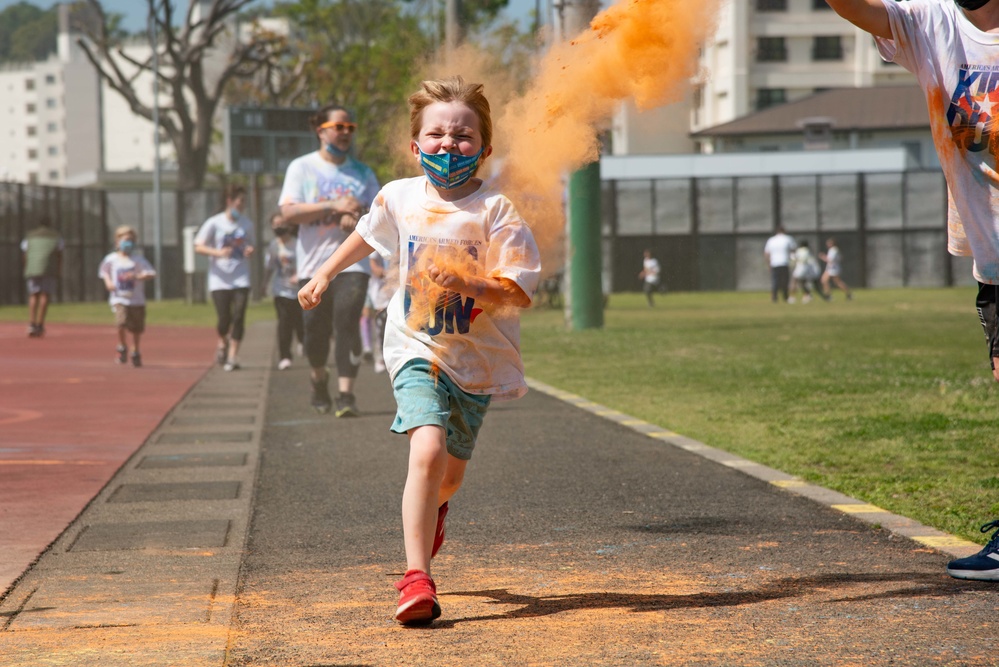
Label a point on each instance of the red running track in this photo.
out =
(70, 417)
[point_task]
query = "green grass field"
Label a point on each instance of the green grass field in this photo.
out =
(887, 398)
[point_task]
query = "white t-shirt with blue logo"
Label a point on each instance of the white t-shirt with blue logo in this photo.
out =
(957, 66)
(476, 343)
(310, 179)
(122, 270)
(220, 231)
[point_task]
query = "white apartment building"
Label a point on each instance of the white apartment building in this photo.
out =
(64, 125)
(49, 117)
(763, 53)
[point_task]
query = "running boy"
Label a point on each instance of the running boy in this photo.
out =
(124, 274)
(467, 262)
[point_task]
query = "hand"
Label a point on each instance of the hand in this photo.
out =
(995, 373)
(247, 251)
(447, 279)
(312, 293)
(348, 221)
(345, 204)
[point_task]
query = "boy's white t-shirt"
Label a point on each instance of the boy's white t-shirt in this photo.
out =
(221, 231)
(477, 344)
(122, 271)
(832, 261)
(957, 66)
(651, 268)
(310, 179)
(780, 247)
(280, 263)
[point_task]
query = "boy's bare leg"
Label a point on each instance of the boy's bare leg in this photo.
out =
(33, 302)
(427, 464)
(43, 308)
(123, 337)
(454, 474)
(135, 343)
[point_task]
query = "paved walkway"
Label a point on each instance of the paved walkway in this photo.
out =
(581, 536)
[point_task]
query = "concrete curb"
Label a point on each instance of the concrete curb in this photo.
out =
(899, 525)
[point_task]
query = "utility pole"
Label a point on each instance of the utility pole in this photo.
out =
(157, 195)
(585, 298)
(452, 25)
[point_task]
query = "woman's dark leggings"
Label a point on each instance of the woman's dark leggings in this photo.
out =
(289, 324)
(230, 308)
(339, 314)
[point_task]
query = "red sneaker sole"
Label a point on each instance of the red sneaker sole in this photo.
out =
(418, 611)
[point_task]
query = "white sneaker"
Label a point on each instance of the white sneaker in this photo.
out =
(231, 366)
(284, 364)
(379, 367)
(791, 299)
(806, 299)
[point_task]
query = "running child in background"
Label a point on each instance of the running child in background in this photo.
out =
(280, 272)
(380, 290)
(467, 263)
(834, 260)
(124, 273)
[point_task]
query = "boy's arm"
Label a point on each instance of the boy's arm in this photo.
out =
(868, 15)
(501, 291)
(350, 252)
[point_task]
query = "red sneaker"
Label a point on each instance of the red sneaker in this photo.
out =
(439, 533)
(417, 599)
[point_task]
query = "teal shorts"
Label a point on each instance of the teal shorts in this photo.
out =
(428, 399)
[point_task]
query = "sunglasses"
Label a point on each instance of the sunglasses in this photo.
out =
(340, 127)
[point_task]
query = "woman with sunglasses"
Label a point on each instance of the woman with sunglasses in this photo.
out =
(325, 193)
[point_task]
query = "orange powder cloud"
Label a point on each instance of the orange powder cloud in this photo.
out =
(643, 50)
(640, 50)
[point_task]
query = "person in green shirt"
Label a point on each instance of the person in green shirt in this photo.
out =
(41, 252)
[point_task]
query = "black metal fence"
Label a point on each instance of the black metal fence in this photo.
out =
(86, 219)
(708, 233)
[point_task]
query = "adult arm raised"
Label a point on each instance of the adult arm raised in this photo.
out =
(868, 15)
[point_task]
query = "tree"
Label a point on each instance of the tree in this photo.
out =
(27, 33)
(198, 58)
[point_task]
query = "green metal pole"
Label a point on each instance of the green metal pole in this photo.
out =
(585, 257)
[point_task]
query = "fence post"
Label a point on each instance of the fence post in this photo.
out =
(862, 226)
(695, 231)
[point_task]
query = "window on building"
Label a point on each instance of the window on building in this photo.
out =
(771, 5)
(29, 84)
(50, 103)
(52, 127)
(53, 175)
(30, 108)
(32, 154)
(771, 50)
(31, 130)
(768, 97)
(33, 178)
(819, 5)
(827, 47)
(53, 150)
(50, 79)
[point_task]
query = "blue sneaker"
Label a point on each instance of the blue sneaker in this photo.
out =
(983, 566)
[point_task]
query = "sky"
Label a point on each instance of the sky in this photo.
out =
(134, 11)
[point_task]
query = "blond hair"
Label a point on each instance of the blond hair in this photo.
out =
(451, 89)
(124, 230)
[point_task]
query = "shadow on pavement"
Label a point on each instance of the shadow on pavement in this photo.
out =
(920, 585)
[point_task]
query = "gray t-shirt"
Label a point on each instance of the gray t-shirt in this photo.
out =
(311, 179)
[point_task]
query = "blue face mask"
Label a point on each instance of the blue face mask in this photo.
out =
(336, 152)
(234, 213)
(449, 171)
(126, 246)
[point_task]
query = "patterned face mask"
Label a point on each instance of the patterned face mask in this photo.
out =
(447, 170)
